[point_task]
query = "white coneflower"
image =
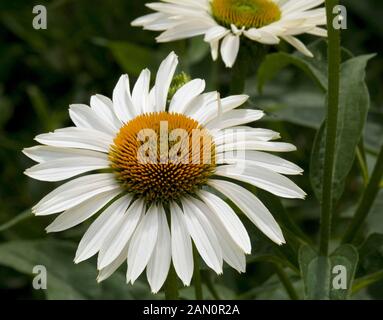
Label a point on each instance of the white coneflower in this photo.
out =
(152, 205)
(263, 21)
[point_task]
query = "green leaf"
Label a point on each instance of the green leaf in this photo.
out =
(371, 254)
(315, 272)
(347, 256)
(354, 102)
(315, 68)
(66, 280)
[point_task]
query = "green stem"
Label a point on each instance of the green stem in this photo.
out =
(366, 281)
(209, 284)
(331, 127)
(362, 164)
(197, 276)
(19, 218)
(366, 201)
(171, 287)
(286, 282)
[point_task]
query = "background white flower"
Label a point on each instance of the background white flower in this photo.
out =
(149, 214)
(263, 21)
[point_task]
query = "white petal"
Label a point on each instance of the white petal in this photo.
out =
(44, 154)
(122, 100)
(120, 235)
(74, 192)
(186, 94)
(182, 251)
(262, 178)
(231, 252)
(260, 159)
(84, 117)
(99, 230)
(159, 263)
(82, 212)
(215, 33)
(230, 49)
(207, 113)
(77, 138)
(142, 244)
(226, 215)
(296, 43)
(252, 208)
(256, 145)
(106, 272)
(103, 106)
(214, 47)
(234, 118)
(190, 28)
(58, 170)
(262, 36)
(163, 80)
(140, 94)
(203, 235)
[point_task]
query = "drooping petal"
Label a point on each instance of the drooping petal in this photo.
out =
(120, 235)
(263, 178)
(226, 215)
(142, 244)
(230, 49)
(252, 208)
(159, 263)
(203, 235)
(81, 212)
(186, 94)
(182, 254)
(99, 230)
(74, 192)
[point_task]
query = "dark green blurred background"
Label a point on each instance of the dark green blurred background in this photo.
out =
(86, 47)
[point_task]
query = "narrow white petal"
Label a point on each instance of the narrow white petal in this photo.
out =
(99, 230)
(228, 218)
(140, 94)
(58, 170)
(182, 254)
(74, 192)
(256, 145)
(216, 33)
(103, 106)
(234, 118)
(85, 117)
(159, 263)
(263, 178)
(297, 44)
(230, 49)
(252, 208)
(207, 113)
(44, 154)
(122, 100)
(203, 235)
(183, 30)
(186, 94)
(260, 159)
(163, 80)
(231, 252)
(82, 212)
(106, 272)
(120, 235)
(77, 138)
(142, 244)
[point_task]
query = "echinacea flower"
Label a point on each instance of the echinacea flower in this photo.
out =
(161, 188)
(263, 21)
